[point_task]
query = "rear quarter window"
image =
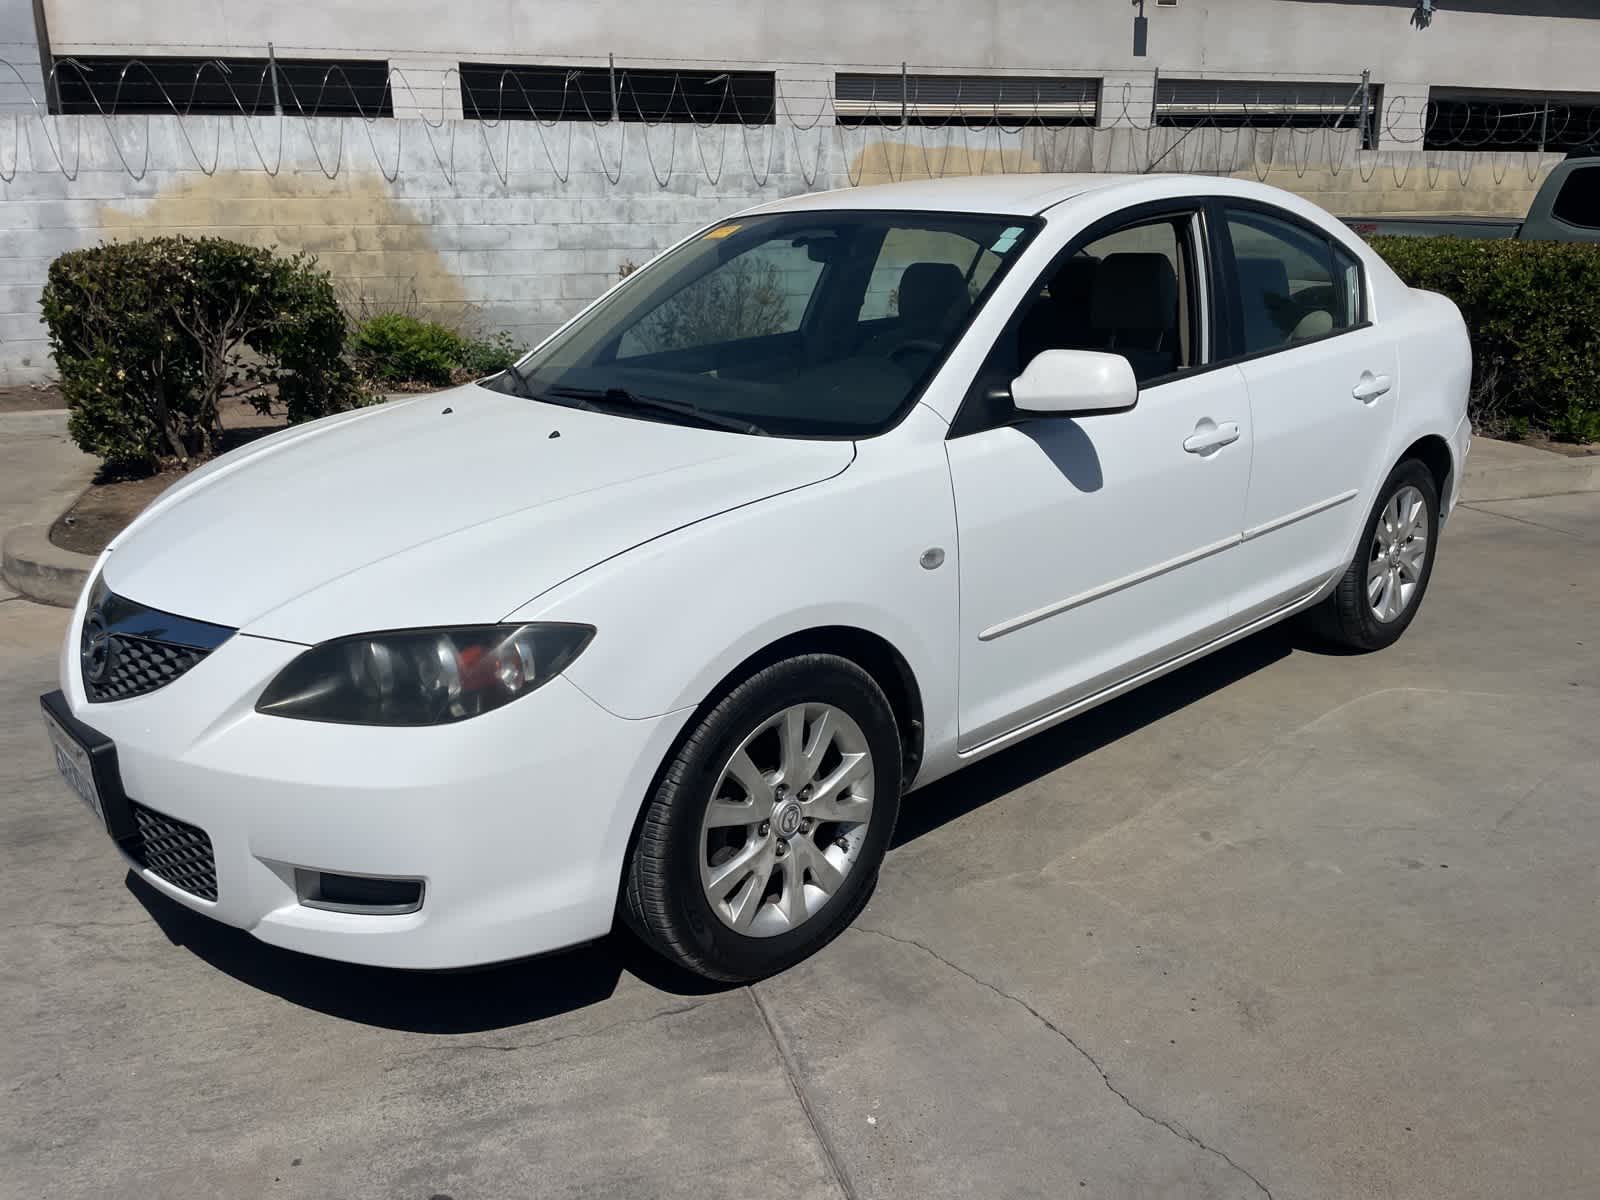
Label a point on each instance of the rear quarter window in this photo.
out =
(1578, 202)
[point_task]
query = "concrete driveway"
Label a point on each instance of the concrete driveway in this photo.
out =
(1286, 924)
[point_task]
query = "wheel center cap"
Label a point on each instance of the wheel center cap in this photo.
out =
(1394, 556)
(786, 820)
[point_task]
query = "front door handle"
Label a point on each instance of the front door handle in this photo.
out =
(1371, 387)
(1212, 437)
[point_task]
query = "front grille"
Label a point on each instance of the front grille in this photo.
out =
(127, 649)
(136, 666)
(178, 852)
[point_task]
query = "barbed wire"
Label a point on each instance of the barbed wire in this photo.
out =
(1126, 127)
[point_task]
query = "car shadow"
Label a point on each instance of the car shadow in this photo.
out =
(971, 788)
(445, 1002)
(530, 990)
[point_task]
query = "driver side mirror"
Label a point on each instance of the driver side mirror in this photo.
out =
(1064, 383)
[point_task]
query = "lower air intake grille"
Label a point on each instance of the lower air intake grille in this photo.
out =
(178, 852)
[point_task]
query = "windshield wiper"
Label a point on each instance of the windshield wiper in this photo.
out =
(524, 385)
(618, 397)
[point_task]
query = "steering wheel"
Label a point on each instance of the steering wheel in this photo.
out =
(918, 345)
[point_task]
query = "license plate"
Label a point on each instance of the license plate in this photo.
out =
(72, 760)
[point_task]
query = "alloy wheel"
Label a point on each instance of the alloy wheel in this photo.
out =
(787, 819)
(1399, 551)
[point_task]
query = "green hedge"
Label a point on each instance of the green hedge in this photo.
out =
(1533, 310)
(150, 336)
(398, 348)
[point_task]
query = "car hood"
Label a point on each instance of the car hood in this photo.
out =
(452, 508)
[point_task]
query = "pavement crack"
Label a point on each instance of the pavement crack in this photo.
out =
(514, 1047)
(1523, 799)
(1170, 1126)
(792, 1071)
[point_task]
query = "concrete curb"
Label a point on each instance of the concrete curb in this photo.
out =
(41, 570)
(1536, 473)
(41, 476)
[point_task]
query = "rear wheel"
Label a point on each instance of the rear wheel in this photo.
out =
(763, 839)
(1379, 594)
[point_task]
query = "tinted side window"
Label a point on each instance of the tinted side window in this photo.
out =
(1287, 287)
(1579, 200)
(1128, 293)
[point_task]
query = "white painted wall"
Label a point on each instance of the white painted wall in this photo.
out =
(516, 226)
(20, 80)
(1249, 38)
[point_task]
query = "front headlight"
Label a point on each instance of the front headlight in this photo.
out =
(422, 676)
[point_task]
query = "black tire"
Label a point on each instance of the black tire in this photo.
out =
(1346, 616)
(663, 899)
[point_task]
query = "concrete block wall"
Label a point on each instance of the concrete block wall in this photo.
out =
(515, 226)
(20, 80)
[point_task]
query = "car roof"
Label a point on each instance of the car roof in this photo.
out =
(1021, 194)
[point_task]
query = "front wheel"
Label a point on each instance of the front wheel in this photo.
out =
(1379, 594)
(763, 839)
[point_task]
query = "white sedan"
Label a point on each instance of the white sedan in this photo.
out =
(837, 496)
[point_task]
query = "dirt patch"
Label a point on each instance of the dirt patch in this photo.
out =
(1570, 449)
(30, 397)
(105, 509)
(111, 502)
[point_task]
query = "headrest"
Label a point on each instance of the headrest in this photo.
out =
(1266, 323)
(1073, 283)
(932, 294)
(1316, 323)
(1134, 291)
(1269, 275)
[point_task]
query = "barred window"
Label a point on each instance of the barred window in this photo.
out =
(321, 87)
(1475, 120)
(495, 91)
(1275, 104)
(965, 100)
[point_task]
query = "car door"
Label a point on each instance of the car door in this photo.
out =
(1322, 383)
(1094, 547)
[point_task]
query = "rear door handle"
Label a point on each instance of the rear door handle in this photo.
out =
(1371, 387)
(1214, 437)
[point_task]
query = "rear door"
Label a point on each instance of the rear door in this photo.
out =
(1323, 385)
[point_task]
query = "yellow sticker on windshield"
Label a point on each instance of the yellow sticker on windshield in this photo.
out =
(721, 231)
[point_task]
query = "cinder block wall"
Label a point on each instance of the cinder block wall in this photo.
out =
(512, 228)
(516, 226)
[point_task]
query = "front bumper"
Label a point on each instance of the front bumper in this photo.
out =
(517, 821)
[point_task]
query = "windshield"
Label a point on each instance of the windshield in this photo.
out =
(812, 324)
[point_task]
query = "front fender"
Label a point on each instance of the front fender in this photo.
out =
(677, 615)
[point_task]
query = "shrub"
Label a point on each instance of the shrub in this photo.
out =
(488, 355)
(398, 348)
(150, 337)
(1533, 311)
